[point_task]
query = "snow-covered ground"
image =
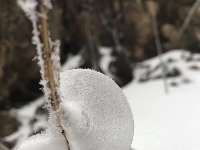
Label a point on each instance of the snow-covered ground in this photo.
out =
(162, 121)
(167, 121)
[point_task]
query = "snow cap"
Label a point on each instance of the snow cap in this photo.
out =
(103, 118)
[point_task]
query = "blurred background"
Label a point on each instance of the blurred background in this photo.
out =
(115, 37)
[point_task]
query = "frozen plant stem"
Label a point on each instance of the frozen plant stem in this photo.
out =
(159, 50)
(48, 63)
(47, 57)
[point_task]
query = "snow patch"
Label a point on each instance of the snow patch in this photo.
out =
(167, 121)
(50, 139)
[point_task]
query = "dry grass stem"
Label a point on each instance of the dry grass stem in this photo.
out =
(159, 50)
(49, 71)
(48, 63)
(188, 18)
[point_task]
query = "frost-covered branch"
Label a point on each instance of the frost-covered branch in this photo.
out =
(50, 74)
(48, 53)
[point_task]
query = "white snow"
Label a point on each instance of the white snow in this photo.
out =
(161, 121)
(47, 3)
(167, 121)
(72, 62)
(105, 59)
(95, 113)
(48, 140)
(24, 116)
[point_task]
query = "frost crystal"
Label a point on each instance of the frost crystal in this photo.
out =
(30, 9)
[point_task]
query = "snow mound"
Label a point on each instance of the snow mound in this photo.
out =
(51, 140)
(102, 117)
(94, 114)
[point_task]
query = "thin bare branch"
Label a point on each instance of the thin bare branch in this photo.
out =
(48, 63)
(159, 50)
(188, 18)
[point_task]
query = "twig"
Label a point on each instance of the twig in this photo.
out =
(188, 18)
(159, 50)
(48, 63)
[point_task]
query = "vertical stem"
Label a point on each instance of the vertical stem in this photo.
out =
(49, 71)
(188, 18)
(48, 63)
(159, 50)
